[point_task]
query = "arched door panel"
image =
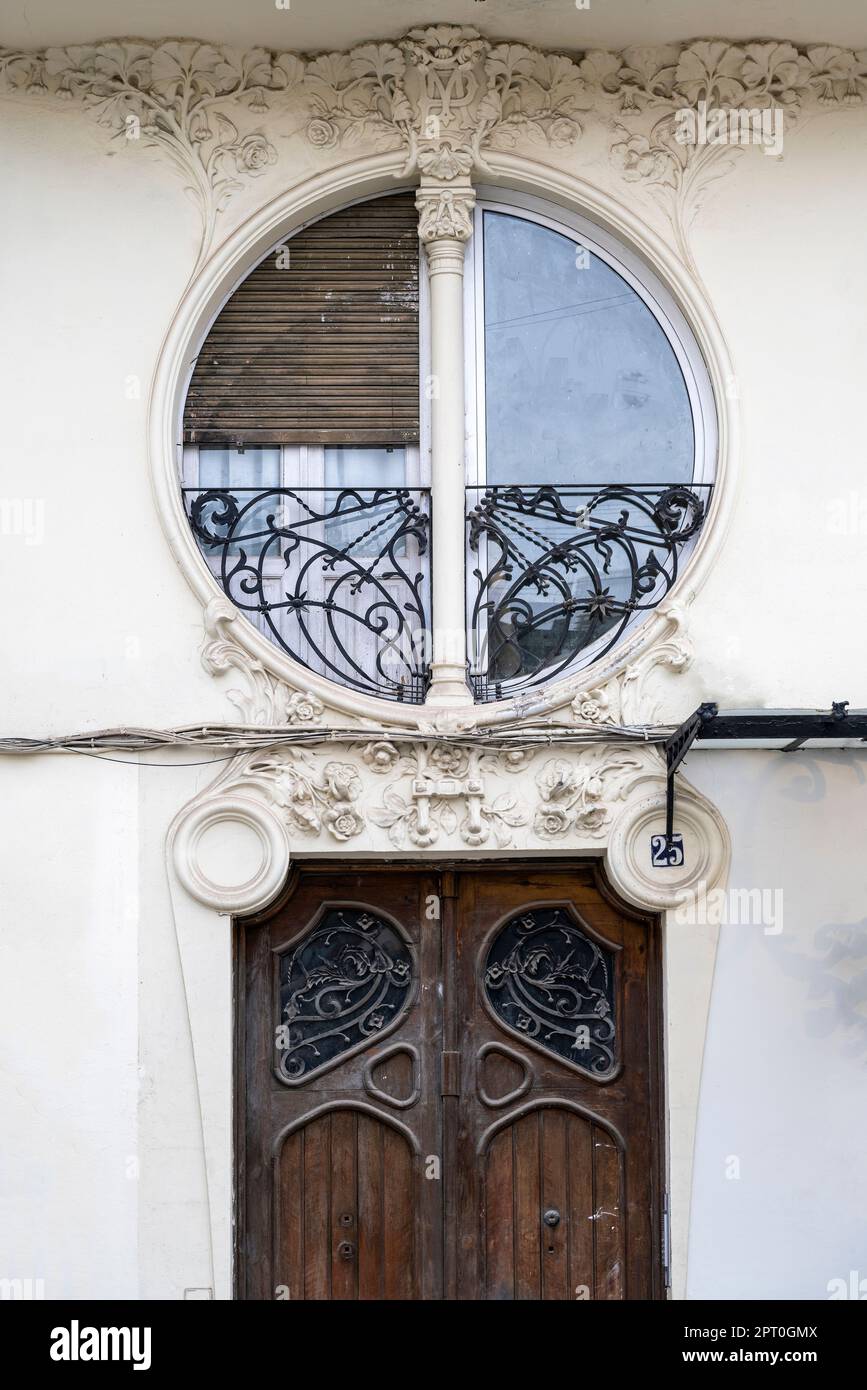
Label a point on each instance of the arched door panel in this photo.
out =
(552, 1209)
(345, 1204)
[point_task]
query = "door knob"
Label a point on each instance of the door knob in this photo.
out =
(551, 1217)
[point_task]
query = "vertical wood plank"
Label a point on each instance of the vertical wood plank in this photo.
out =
(344, 1207)
(317, 1203)
(290, 1206)
(498, 1218)
(554, 1195)
(610, 1255)
(371, 1209)
(455, 1170)
(528, 1215)
(579, 1204)
(399, 1254)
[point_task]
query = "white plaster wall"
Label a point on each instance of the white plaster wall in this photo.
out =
(102, 1178)
(69, 1082)
(98, 628)
(97, 246)
(779, 249)
(783, 1082)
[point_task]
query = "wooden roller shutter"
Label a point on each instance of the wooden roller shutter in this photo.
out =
(324, 351)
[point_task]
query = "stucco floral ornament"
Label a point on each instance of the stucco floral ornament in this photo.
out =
(539, 95)
(420, 819)
(449, 759)
(342, 821)
(513, 759)
(444, 162)
(655, 84)
(441, 792)
(637, 157)
(266, 700)
(401, 818)
(444, 95)
(302, 708)
(381, 756)
(310, 800)
(776, 72)
(575, 795)
(446, 49)
(592, 707)
(253, 154)
(322, 134)
(837, 75)
(642, 76)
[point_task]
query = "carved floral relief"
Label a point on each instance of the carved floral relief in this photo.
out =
(444, 96)
(438, 793)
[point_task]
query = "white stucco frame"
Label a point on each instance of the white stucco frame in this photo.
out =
(243, 830)
(236, 825)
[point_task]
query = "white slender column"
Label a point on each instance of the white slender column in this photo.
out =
(445, 226)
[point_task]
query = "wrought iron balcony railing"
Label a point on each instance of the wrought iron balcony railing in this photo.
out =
(339, 578)
(556, 573)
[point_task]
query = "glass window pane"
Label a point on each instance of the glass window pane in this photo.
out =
(350, 467)
(230, 468)
(581, 383)
(244, 474)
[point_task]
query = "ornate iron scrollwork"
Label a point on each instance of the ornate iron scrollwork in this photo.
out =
(348, 981)
(562, 570)
(549, 983)
(338, 578)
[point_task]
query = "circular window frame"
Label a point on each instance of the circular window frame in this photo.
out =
(512, 178)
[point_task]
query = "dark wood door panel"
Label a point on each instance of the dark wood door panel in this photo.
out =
(464, 1106)
(333, 1200)
(578, 977)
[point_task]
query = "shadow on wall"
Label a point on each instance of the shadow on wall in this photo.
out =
(834, 972)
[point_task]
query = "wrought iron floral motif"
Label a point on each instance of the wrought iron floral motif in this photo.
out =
(337, 578)
(562, 570)
(548, 982)
(347, 982)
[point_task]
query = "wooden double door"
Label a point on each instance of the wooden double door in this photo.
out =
(448, 1087)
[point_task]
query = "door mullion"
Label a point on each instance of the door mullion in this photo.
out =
(450, 1102)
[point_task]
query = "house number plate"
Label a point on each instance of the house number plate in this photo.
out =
(665, 853)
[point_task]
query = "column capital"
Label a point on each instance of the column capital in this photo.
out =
(445, 212)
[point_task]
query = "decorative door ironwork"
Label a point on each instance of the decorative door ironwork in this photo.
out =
(345, 983)
(549, 982)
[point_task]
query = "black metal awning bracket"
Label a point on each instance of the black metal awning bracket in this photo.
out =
(676, 748)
